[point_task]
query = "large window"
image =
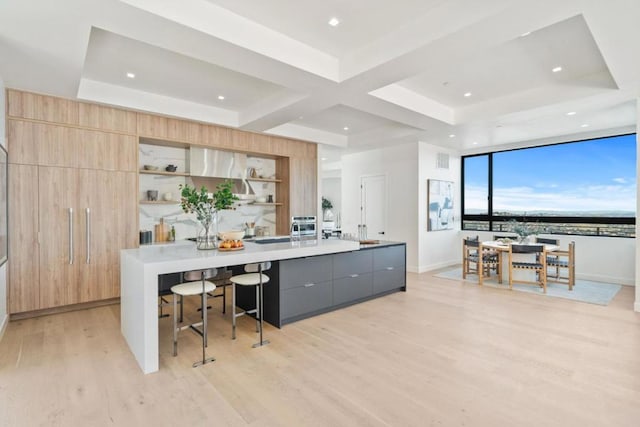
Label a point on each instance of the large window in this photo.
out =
(586, 187)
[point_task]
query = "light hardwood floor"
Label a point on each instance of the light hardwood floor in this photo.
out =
(444, 353)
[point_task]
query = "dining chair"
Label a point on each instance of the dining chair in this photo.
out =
(490, 260)
(536, 264)
(563, 259)
(470, 256)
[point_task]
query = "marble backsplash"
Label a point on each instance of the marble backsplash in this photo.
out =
(187, 225)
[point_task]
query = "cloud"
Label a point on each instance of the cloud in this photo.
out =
(620, 180)
(616, 197)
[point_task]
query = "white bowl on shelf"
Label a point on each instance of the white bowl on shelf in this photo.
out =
(261, 199)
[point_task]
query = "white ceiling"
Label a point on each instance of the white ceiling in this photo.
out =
(392, 72)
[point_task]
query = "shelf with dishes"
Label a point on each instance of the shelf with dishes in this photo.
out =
(159, 172)
(267, 204)
(159, 202)
(264, 179)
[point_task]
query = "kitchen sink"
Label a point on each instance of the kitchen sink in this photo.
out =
(273, 240)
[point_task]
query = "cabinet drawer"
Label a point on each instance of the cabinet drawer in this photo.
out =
(352, 288)
(301, 271)
(357, 262)
(387, 280)
(393, 256)
(305, 299)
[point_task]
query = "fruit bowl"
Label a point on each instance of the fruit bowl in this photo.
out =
(150, 168)
(231, 235)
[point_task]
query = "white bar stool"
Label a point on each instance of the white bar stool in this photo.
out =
(253, 277)
(197, 285)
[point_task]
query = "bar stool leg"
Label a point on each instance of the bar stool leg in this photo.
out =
(224, 299)
(175, 325)
(233, 311)
(204, 329)
(259, 307)
(258, 314)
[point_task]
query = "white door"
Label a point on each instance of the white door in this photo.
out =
(373, 205)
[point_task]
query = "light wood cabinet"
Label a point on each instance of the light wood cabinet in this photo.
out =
(24, 260)
(41, 107)
(50, 145)
(77, 257)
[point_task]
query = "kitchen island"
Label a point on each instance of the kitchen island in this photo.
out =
(335, 272)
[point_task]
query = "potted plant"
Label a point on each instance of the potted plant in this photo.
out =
(523, 230)
(206, 207)
(326, 206)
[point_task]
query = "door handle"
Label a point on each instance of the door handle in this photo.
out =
(353, 276)
(389, 268)
(88, 214)
(70, 236)
(308, 285)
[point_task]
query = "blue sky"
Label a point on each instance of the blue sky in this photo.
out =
(588, 176)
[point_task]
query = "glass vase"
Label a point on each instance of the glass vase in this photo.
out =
(208, 235)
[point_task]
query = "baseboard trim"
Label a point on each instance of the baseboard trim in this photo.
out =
(64, 309)
(432, 267)
(3, 325)
(606, 279)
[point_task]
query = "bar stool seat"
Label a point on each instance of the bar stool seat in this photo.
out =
(200, 287)
(252, 277)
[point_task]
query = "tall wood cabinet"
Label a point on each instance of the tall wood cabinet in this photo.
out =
(74, 194)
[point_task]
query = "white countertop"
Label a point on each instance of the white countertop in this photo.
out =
(183, 255)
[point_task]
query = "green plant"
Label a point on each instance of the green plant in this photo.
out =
(223, 196)
(203, 203)
(522, 229)
(326, 204)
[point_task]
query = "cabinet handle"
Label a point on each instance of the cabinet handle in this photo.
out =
(389, 268)
(70, 236)
(88, 213)
(308, 285)
(353, 276)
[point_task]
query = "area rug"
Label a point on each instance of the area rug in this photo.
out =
(583, 291)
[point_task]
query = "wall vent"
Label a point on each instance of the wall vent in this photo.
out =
(442, 161)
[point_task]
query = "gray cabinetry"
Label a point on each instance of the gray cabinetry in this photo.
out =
(313, 285)
(389, 269)
(305, 286)
(305, 299)
(352, 276)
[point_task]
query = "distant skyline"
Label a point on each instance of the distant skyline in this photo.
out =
(590, 176)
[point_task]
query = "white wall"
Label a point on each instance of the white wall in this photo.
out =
(4, 319)
(437, 248)
(400, 165)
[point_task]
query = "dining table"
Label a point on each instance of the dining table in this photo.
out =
(502, 248)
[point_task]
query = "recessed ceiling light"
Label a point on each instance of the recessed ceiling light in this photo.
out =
(221, 97)
(334, 21)
(468, 94)
(525, 34)
(475, 142)
(346, 128)
(301, 117)
(131, 75)
(585, 125)
(571, 113)
(323, 158)
(556, 69)
(452, 136)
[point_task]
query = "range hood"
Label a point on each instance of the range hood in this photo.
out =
(211, 167)
(206, 162)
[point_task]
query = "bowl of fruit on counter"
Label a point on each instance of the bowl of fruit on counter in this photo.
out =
(230, 245)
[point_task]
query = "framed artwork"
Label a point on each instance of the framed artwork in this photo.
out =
(439, 205)
(4, 208)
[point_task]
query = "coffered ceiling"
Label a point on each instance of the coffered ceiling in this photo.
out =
(389, 72)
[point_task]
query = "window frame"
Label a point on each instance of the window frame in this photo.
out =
(493, 219)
